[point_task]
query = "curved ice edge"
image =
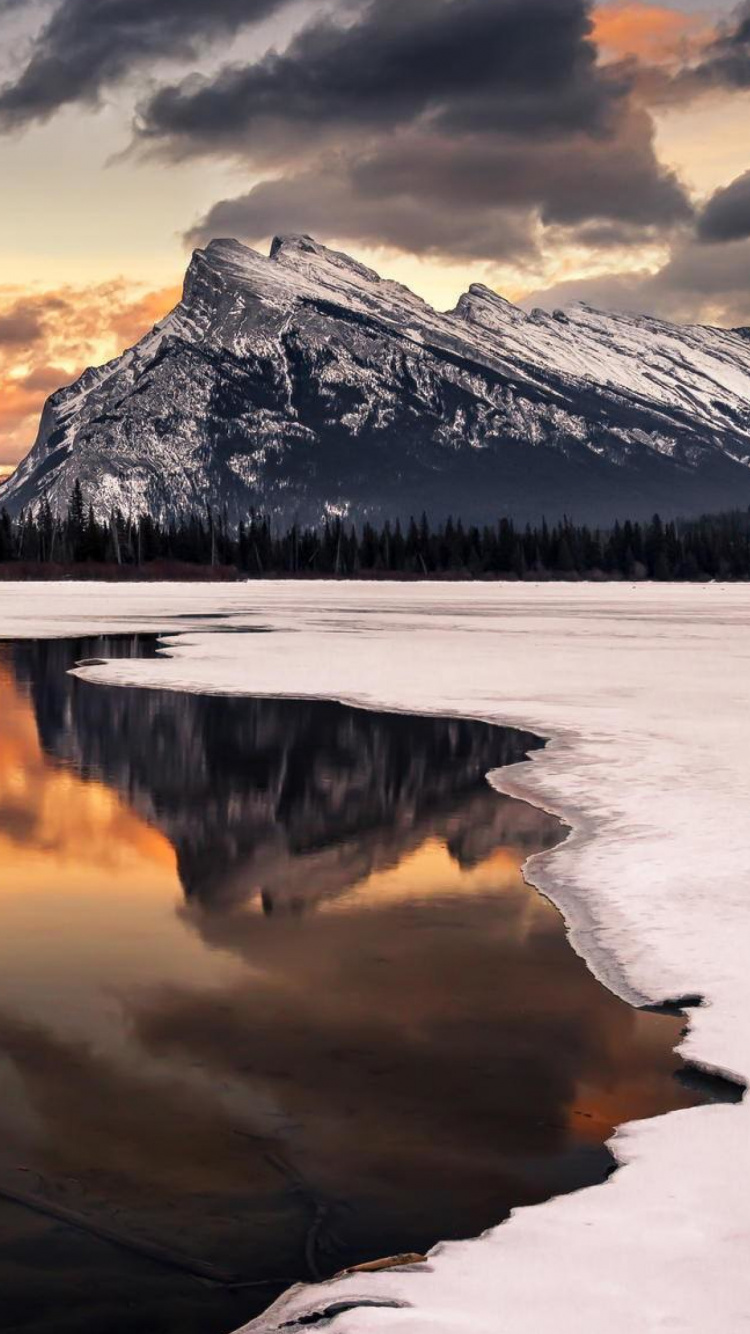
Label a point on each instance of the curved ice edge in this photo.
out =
(609, 970)
(318, 1305)
(325, 1312)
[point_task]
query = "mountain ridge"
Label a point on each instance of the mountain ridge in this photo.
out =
(305, 385)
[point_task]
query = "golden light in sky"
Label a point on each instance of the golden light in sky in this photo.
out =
(651, 31)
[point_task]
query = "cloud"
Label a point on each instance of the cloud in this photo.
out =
(134, 316)
(48, 338)
(708, 60)
(726, 60)
(87, 45)
(492, 131)
(648, 31)
(726, 216)
(327, 202)
(468, 198)
(456, 128)
(698, 284)
(21, 324)
(570, 179)
(483, 66)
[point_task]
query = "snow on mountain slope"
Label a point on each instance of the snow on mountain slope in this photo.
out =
(303, 384)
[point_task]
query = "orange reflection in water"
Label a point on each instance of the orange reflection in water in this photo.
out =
(385, 1032)
(88, 890)
(429, 873)
(50, 819)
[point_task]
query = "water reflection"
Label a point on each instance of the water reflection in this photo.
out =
(273, 996)
(300, 799)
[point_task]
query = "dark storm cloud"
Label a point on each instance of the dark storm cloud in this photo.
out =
(421, 195)
(444, 127)
(88, 44)
(726, 216)
(570, 178)
(478, 66)
(451, 127)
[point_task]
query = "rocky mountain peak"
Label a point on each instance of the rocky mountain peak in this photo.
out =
(481, 305)
(303, 251)
(303, 384)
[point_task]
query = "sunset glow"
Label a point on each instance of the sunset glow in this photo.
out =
(130, 193)
(651, 32)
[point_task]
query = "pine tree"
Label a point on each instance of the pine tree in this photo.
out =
(76, 522)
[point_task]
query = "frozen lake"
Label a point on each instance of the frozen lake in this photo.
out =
(275, 999)
(645, 692)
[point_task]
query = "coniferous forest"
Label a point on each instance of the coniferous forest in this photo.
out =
(205, 546)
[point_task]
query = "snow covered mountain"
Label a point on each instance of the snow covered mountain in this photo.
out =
(303, 384)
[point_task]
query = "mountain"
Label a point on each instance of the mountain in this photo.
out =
(304, 385)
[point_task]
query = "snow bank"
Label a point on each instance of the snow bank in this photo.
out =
(646, 694)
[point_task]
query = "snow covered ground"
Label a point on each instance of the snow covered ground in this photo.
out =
(646, 694)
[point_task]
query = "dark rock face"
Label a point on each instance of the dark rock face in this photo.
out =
(303, 385)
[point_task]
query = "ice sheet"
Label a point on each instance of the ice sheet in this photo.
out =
(645, 692)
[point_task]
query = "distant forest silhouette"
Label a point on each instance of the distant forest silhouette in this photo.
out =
(205, 546)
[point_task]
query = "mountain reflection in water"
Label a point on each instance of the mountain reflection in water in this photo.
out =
(274, 998)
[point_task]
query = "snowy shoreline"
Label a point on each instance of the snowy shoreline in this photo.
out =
(644, 692)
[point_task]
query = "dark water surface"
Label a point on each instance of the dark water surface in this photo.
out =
(274, 999)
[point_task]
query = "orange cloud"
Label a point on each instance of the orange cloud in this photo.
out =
(651, 32)
(133, 320)
(48, 338)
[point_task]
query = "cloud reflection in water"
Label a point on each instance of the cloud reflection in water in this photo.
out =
(348, 1011)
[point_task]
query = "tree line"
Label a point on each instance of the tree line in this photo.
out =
(712, 547)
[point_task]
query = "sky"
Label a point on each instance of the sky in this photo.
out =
(556, 150)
